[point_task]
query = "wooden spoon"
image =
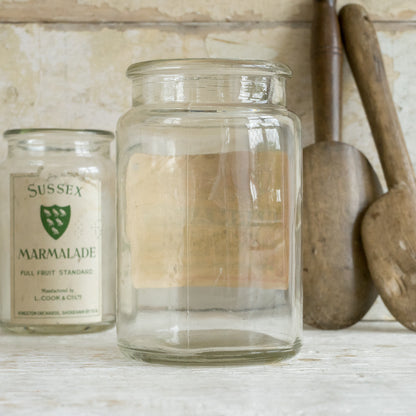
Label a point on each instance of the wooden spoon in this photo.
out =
(389, 225)
(339, 185)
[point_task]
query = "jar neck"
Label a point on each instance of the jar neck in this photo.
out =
(208, 90)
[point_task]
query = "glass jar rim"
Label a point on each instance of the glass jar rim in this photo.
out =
(208, 65)
(44, 133)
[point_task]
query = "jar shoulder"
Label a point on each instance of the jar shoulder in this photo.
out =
(94, 166)
(203, 130)
(177, 115)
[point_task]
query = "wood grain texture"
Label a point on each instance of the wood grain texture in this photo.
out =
(339, 184)
(326, 69)
(389, 236)
(365, 370)
(389, 226)
(150, 11)
(366, 61)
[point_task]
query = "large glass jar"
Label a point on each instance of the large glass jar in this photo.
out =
(209, 194)
(57, 222)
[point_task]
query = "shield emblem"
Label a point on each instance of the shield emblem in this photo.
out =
(55, 219)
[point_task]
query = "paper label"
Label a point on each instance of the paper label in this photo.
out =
(208, 220)
(55, 250)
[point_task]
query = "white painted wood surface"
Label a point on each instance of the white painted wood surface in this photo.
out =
(369, 369)
(187, 10)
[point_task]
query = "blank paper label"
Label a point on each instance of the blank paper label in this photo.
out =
(208, 220)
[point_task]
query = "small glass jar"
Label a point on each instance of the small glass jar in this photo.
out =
(57, 221)
(209, 195)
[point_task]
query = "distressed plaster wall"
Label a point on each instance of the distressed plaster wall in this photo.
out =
(63, 61)
(187, 10)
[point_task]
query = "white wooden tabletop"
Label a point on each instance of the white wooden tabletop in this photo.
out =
(369, 369)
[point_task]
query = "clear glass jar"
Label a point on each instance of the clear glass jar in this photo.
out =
(57, 221)
(209, 194)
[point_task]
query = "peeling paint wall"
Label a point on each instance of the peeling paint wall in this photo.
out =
(187, 10)
(59, 71)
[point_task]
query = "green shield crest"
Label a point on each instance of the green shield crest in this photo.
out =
(55, 219)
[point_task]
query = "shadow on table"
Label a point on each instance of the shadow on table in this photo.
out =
(392, 327)
(380, 326)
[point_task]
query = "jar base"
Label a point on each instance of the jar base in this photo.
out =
(58, 329)
(228, 350)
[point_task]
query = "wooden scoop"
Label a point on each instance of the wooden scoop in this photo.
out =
(389, 225)
(339, 185)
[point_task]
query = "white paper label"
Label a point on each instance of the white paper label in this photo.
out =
(55, 250)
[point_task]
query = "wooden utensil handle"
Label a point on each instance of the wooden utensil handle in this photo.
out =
(326, 67)
(364, 55)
